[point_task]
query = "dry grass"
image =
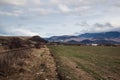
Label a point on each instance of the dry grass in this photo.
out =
(11, 61)
(2, 48)
(37, 64)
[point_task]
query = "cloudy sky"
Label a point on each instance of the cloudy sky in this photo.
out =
(58, 17)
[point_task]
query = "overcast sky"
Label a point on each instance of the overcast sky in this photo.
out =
(58, 17)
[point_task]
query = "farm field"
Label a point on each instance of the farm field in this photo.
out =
(87, 62)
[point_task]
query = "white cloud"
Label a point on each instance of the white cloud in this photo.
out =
(45, 11)
(23, 32)
(41, 11)
(14, 30)
(113, 10)
(38, 2)
(13, 2)
(64, 8)
(11, 13)
(82, 24)
(83, 10)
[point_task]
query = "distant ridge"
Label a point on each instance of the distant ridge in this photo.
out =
(112, 34)
(112, 37)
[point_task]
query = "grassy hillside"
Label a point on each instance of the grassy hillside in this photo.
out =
(87, 62)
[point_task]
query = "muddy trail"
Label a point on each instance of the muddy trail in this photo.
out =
(40, 65)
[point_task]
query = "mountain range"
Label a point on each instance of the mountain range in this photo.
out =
(112, 37)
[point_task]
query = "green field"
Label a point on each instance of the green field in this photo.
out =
(87, 62)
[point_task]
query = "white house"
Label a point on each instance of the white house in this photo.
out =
(94, 44)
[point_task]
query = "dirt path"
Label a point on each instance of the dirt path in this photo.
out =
(48, 66)
(39, 66)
